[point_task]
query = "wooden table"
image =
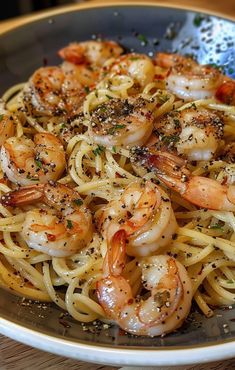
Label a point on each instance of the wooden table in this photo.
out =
(17, 356)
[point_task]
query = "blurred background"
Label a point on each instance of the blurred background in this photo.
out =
(14, 8)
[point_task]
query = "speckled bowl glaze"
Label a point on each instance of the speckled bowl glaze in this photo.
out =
(144, 28)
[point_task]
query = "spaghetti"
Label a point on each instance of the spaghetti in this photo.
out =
(103, 119)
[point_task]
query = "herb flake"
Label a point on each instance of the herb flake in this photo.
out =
(38, 163)
(142, 38)
(98, 150)
(216, 227)
(170, 139)
(78, 202)
(198, 19)
(113, 129)
(69, 224)
(87, 89)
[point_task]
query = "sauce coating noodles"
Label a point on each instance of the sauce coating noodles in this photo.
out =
(109, 199)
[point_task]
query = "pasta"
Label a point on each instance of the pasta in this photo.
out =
(106, 113)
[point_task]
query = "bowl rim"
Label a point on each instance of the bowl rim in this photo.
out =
(108, 355)
(102, 353)
(23, 20)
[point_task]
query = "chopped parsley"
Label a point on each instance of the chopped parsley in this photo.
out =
(170, 139)
(38, 163)
(31, 178)
(176, 123)
(193, 106)
(163, 98)
(198, 19)
(114, 149)
(142, 38)
(98, 150)
(1, 117)
(78, 202)
(69, 224)
(221, 68)
(230, 70)
(109, 97)
(230, 281)
(87, 89)
(113, 129)
(216, 227)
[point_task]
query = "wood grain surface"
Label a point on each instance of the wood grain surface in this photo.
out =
(16, 356)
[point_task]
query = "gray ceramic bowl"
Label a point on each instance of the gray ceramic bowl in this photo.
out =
(143, 28)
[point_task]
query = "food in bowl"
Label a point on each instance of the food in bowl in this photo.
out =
(117, 187)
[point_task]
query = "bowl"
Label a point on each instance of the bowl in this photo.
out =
(146, 28)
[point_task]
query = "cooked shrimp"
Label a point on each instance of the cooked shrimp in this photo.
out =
(7, 128)
(194, 132)
(57, 91)
(163, 276)
(228, 153)
(91, 52)
(144, 211)
(43, 94)
(60, 229)
(187, 79)
(201, 191)
(226, 92)
(138, 66)
(122, 122)
(25, 161)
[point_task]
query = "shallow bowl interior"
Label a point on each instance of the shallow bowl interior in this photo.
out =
(145, 29)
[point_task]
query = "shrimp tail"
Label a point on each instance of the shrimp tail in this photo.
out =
(116, 254)
(23, 196)
(168, 167)
(164, 162)
(73, 53)
(226, 93)
(113, 287)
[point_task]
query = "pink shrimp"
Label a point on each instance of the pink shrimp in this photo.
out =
(201, 191)
(187, 79)
(166, 279)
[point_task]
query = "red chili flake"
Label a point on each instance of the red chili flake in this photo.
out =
(159, 77)
(224, 182)
(121, 332)
(51, 237)
(64, 324)
(117, 175)
(148, 115)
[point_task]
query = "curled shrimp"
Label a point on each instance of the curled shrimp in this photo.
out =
(138, 66)
(187, 79)
(43, 94)
(57, 91)
(125, 122)
(144, 211)
(194, 132)
(228, 153)
(39, 160)
(166, 279)
(91, 52)
(226, 92)
(61, 228)
(201, 191)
